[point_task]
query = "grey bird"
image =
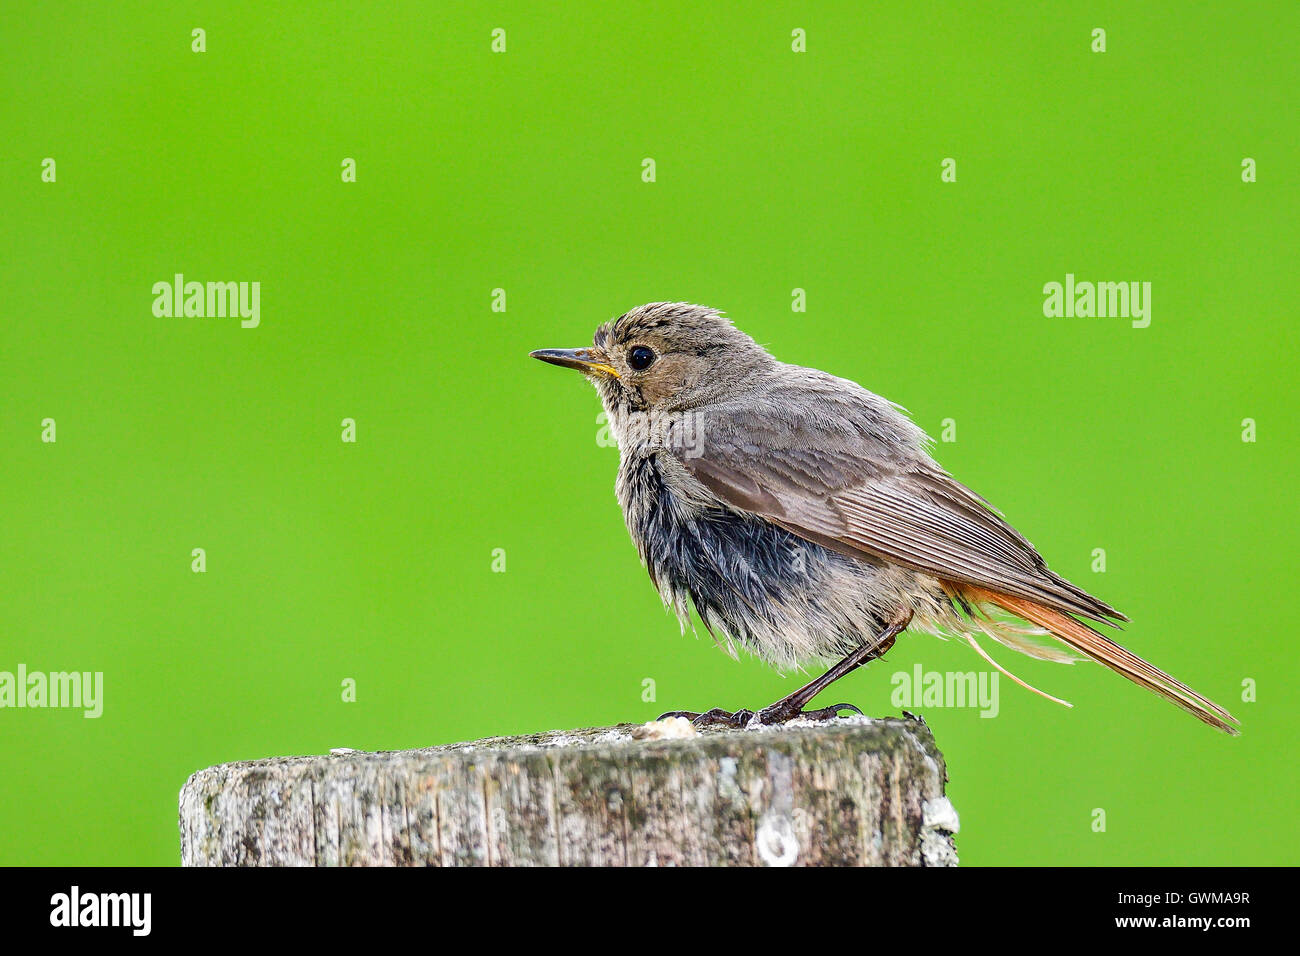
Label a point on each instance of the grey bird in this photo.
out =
(804, 519)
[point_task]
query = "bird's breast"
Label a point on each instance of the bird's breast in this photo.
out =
(695, 546)
(782, 596)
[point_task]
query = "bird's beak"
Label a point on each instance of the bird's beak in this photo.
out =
(584, 360)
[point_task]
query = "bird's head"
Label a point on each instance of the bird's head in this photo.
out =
(670, 356)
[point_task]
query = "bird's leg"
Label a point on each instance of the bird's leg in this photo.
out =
(788, 708)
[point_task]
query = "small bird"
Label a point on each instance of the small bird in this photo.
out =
(805, 520)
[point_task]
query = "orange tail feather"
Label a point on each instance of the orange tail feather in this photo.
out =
(1105, 651)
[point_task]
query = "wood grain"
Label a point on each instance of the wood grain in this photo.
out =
(853, 792)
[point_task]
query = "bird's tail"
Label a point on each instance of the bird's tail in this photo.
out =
(1102, 649)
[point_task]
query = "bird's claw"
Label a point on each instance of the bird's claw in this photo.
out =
(779, 714)
(827, 713)
(766, 717)
(713, 718)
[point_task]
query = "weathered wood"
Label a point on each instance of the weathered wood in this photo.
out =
(854, 791)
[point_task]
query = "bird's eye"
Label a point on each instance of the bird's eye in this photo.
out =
(640, 357)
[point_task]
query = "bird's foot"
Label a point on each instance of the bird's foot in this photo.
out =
(778, 713)
(717, 717)
(783, 713)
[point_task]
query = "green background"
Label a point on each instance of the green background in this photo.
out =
(522, 171)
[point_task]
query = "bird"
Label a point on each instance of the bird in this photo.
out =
(805, 521)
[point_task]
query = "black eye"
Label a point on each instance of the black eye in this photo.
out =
(640, 357)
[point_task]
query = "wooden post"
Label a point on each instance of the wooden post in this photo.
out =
(851, 792)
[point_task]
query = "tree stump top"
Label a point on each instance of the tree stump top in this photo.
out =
(853, 791)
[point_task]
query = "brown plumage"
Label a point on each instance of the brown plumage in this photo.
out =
(731, 461)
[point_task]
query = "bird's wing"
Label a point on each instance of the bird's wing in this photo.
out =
(849, 471)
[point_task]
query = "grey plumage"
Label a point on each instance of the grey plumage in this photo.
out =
(800, 514)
